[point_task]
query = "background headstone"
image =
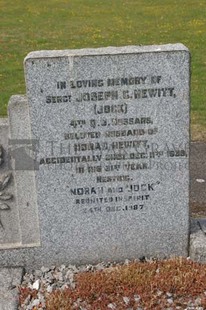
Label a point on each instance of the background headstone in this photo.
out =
(22, 150)
(9, 227)
(18, 208)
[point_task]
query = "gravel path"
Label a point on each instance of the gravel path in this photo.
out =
(47, 280)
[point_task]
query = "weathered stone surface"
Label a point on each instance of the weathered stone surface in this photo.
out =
(10, 279)
(21, 149)
(18, 207)
(9, 228)
(114, 183)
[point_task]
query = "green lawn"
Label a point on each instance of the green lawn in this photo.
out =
(28, 25)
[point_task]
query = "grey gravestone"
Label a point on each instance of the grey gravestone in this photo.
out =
(111, 176)
(18, 207)
(9, 228)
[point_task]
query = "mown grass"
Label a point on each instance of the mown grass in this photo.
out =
(63, 24)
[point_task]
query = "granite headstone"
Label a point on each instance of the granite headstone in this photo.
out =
(111, 174)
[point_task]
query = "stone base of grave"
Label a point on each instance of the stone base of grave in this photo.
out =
(10, 279)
